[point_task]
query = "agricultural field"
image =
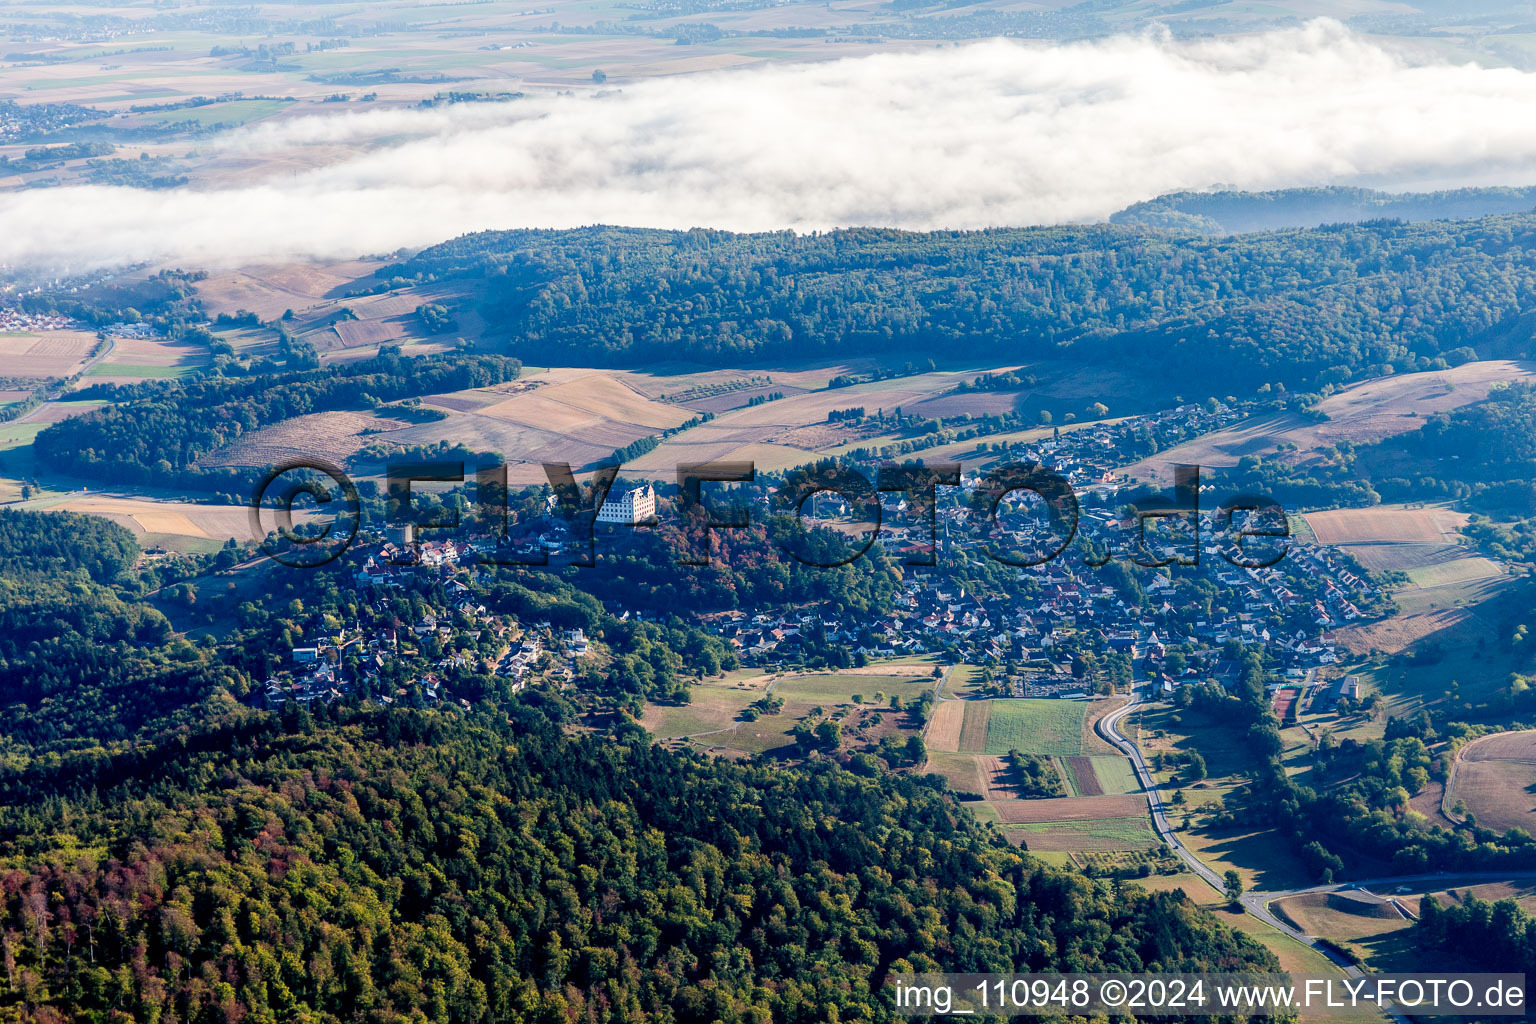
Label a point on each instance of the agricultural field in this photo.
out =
(335, 436)
(945, 724)
(1446, 580)
(309, 289)
(134, 359)
(1495, 779)
(174, 524)
(1133, 832)
(1104, 805)
(568, 415)
(1387, 524)
(220, 115)
(1365, 413)
(53, 412)
(47, 354)
(1103, 775)
(396, 56)
(1036, 727)
(975, 725)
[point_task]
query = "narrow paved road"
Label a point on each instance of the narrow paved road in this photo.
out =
(1109, 728)
(1257, 902)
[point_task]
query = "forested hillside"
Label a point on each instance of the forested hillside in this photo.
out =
(394, 864)
(1230, 213)
(1311, 308)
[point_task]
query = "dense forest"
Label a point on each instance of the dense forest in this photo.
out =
(167, 852)
(394, 865)
(1501, 932)
(1231, 212)
(1312, 308)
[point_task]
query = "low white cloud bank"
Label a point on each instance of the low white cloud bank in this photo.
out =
(995, 133)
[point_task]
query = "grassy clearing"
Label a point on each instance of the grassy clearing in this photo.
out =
(181, 542)
(840, 688)
(962, 681)
(14, 435)
(1262, 859)
(1036, 727)
(1055, 858)
(962, 771)
(713, 707)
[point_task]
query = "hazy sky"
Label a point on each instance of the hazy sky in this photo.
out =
(994, 133)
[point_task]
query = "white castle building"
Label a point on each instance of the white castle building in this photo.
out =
(636, 506)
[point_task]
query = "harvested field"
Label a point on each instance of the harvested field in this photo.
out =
(355, 333)
(944, 726)
(1365, 413)
(1036, 727)
(994, 779)
(335, 436)
(1386, 525)
(54, 412)
(737, 399)
(154, 352)
(52, 354)
(1503, 746)
(465, 401)
(1069, 808)
(974, 403)
(1496, 779)
(183, 519)
(573, 404)
(1082, 770)
(973, 733)
(268, 291)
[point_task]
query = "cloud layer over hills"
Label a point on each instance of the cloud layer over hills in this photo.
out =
(993, 133)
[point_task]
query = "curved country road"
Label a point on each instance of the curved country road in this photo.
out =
(1257, 902)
